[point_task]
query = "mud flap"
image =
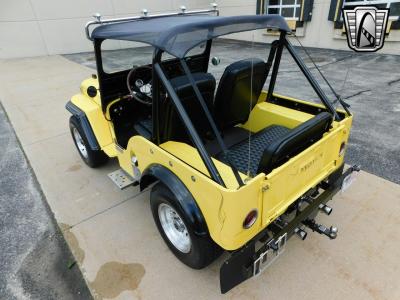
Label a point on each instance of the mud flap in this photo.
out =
(237, 268)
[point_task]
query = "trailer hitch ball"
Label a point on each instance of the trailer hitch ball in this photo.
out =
(302, 234)
(334, 229)
(325, 209)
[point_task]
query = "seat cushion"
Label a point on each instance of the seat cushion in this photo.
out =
(274, 145)
(295, 141)
(239, 153)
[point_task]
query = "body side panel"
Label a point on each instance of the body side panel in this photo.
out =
(99, 124)
(224, 209)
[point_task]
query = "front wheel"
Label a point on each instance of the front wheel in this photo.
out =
(93, 158)
(193, 250)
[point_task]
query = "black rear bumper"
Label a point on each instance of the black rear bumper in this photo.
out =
(240, 265)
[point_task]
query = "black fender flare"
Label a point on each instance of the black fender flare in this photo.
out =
(157, 172)
(85, 124)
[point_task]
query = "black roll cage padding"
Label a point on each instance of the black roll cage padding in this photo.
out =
(211, 121)
(189, 126)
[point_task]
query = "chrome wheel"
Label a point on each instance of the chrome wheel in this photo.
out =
(79, 142)
(174, 228)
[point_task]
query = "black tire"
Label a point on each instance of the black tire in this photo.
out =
(93, 158)
(203, 250)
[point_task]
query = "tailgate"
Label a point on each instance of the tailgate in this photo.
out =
(304, 171)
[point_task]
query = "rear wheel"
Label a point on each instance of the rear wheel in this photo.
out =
(93, 158)
(193, 250)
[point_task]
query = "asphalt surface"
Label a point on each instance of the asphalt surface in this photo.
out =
(36, 262)
(369, 82)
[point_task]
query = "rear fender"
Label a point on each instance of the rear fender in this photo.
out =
(157, 172)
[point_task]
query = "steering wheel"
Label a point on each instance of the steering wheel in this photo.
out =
(141, 89)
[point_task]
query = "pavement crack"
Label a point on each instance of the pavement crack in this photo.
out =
(106, 209)
(356, 94)
(46, 139)
(393, 81)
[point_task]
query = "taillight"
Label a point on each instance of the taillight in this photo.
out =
(250, 219)
(342, 149)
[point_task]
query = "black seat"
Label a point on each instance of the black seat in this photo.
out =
(236, 90)
(172, 128)
(295, 141)
(274, 145)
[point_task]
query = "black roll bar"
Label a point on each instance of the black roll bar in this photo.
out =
(277, 52)
(156, 99)
(271, 57)
(189, 126)
(211, 121)
(321, 94)
(274, 59)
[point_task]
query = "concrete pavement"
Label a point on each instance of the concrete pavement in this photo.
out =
(36, 262)
(116, 243)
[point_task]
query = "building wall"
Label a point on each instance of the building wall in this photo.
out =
(46, 27)
(319, 32)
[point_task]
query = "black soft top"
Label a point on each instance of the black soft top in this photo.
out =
(178, 34)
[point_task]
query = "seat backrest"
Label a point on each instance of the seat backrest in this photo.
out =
(236, 90)
(295, 141)
(172, 127)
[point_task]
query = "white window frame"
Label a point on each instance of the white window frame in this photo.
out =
(280, 6)
(371, 2)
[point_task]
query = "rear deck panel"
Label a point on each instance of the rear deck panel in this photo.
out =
(290, 181)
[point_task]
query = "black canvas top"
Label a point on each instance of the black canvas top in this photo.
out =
(178, 34)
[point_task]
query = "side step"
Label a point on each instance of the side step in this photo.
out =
(122, 179)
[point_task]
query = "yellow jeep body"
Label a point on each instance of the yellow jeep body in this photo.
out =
(224, 209)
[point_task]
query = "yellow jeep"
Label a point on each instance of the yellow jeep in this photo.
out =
(231, 167)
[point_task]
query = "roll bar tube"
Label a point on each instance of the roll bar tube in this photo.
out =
(317, 88)
(189, 126)
(276, 50)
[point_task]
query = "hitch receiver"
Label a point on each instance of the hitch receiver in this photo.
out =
(321, 229)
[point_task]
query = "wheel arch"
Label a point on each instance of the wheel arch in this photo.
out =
(157, 172)
(85, 124)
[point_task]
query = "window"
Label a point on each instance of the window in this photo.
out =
(289, 9)
(197, 50)
(393, 5)
(123, 55)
